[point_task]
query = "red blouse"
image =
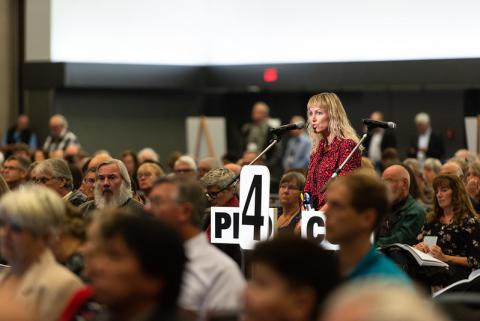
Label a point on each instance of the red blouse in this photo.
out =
(323, 163)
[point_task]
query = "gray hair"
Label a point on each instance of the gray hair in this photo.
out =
(381, 299)
(219, 177)
(121, 168)
(187, 160)
(422, 118)
(62, 119)
(35, 208)
(433, 164)
(149, 153)
(56, 168)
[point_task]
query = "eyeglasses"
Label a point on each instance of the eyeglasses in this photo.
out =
(146, 174)
(289, 187)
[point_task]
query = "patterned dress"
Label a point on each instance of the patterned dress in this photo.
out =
(457, 239)
(323, 163)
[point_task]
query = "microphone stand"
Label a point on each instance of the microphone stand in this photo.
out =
(275, 139)
(339, 169)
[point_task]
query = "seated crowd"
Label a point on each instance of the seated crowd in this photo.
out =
(98, 238)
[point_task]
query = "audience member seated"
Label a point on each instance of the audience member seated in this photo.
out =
(431, 169)
(129, 158)
(406, 217)
(452, 168)
(220, 186)
(4, 189)
(291, 279)
(21, 150)
(15, 171)
(112, 188)
(185, 167)
(147, 174)
(30, 219)
(60, 137)
(71, 238)
(39, 155)
(297, 152)
(206, 164)
(235, 168)
(380, 300)
(147, 154)
(356, 204)
(88, 185)
(20, 133)
(291, 186)
(416, 174)
(126, 273)
(473, 184)
(389, 158)
(456, 225)
(55, 174)
(212, 281)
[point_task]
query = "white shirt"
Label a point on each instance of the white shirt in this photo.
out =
(212, 281)
(423, 141)
(375, 147)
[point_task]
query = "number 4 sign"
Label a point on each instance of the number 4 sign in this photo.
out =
(253, 221)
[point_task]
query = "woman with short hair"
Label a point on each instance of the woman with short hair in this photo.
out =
(30, 219)
(291, 186)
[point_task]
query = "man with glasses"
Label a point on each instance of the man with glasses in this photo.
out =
(212, 282)
(56, 175)
(356, 204)
(112, 188)
(15, 171)
(403, 223)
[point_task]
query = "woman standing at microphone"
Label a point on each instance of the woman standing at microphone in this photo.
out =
(333, 138)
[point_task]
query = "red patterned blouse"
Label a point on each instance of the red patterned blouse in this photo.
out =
(324, 161)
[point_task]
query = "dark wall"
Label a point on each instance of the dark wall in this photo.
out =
(116, 120)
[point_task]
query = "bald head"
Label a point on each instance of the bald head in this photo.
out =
(97, 160)
(376, 115)
(398, 180)
(451, 168)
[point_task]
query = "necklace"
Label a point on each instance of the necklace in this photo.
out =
(286, 218)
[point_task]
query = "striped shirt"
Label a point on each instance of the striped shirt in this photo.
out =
(61, 143)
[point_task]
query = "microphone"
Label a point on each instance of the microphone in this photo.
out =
(370, 123)
(286, 128)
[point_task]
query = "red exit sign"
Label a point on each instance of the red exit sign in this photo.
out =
(270, 75)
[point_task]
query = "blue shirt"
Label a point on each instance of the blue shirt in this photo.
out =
(376, 265)
(297, 153)
(32, 143)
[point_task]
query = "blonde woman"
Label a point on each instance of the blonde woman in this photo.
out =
(333, 138)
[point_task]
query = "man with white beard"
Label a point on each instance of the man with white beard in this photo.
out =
(113, 188)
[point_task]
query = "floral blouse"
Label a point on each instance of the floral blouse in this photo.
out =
(455, 239)
(323, 163)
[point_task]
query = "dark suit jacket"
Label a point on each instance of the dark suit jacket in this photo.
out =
(388, 141)
(436, 146)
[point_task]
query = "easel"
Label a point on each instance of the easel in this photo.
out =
(203, 128)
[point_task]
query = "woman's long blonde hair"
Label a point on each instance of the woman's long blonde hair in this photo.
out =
(338, 125)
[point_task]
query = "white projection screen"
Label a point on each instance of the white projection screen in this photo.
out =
(217, 32)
